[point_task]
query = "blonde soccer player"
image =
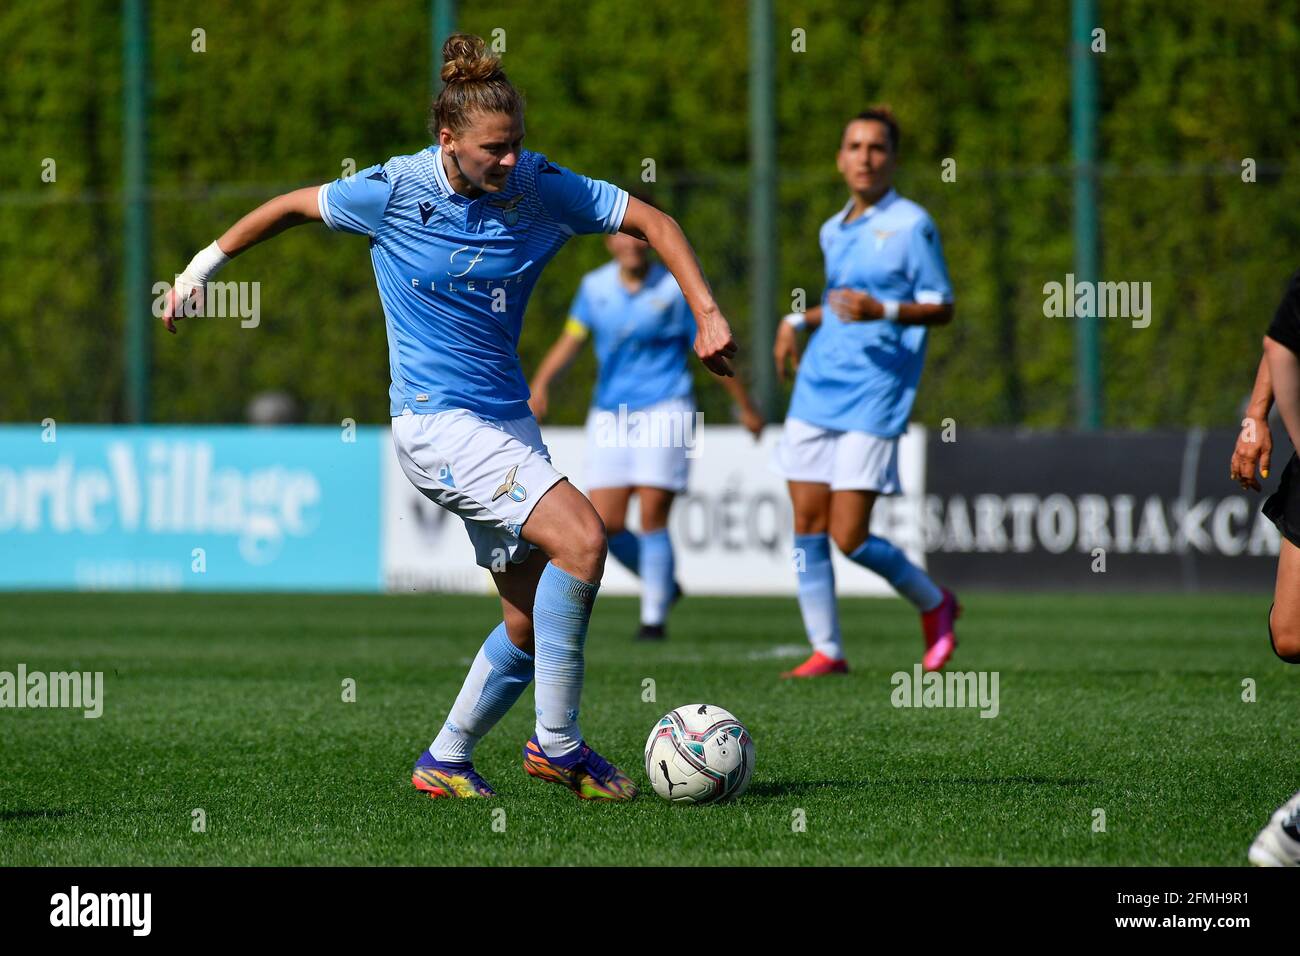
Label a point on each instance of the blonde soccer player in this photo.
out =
(458, 235)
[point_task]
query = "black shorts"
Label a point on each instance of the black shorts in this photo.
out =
(1283, 506)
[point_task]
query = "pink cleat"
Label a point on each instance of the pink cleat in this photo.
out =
(940, 639)
(819, 665)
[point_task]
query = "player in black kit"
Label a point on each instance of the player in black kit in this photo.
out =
(1278, 381)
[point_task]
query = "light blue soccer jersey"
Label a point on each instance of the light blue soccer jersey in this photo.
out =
(642, 339)
(455, 273)
(862, 376)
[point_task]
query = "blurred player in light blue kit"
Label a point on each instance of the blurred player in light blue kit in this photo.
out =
(886, 284)
(459, 233)
(642, 424)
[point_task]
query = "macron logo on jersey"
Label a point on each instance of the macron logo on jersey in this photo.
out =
(426, 210)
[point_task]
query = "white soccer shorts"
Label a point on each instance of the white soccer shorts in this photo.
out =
(490, 473)
(648, 447)
(847, 461)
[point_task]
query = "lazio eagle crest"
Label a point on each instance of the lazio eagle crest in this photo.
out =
(509, 208)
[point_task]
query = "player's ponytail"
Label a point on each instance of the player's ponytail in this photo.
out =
(473, 81)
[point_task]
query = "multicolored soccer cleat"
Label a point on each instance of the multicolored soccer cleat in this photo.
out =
(940, 636)
(584, 771)
(436, 778)
(819, 665)
(1278, 844)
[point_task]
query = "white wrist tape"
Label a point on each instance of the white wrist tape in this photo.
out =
(796, 320)
(891, 310)
(202, 267)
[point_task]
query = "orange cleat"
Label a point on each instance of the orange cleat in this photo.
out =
(940, 637)
(819, 665)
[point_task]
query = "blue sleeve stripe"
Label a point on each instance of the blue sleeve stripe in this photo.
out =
(323, 205)
(616, 215)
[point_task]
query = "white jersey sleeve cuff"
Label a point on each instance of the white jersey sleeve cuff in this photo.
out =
(323, 206)
(615, 221)
(932, 298)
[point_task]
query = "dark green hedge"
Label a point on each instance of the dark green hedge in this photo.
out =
(287, 90)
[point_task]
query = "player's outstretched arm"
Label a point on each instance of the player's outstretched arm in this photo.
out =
(1255, 443)
(713, 341)
(558, 358)
(267, 220)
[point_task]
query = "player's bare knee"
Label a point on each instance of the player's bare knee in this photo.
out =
(847, 540)
(583, 548)
(594, 548)
(1285, 632)
(809, 523)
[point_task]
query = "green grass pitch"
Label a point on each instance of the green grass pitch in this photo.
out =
(233, 704)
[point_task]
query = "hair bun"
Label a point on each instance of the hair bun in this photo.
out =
(465, 60)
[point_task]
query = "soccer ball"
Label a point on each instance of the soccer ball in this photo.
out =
(699, 754)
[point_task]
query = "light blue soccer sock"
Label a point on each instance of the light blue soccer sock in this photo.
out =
(657, 575)
(497, 677)
(812, 561)
(626, 549)
(561, 610)
(892, 565)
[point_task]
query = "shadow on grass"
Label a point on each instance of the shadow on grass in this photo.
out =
(785, 789)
